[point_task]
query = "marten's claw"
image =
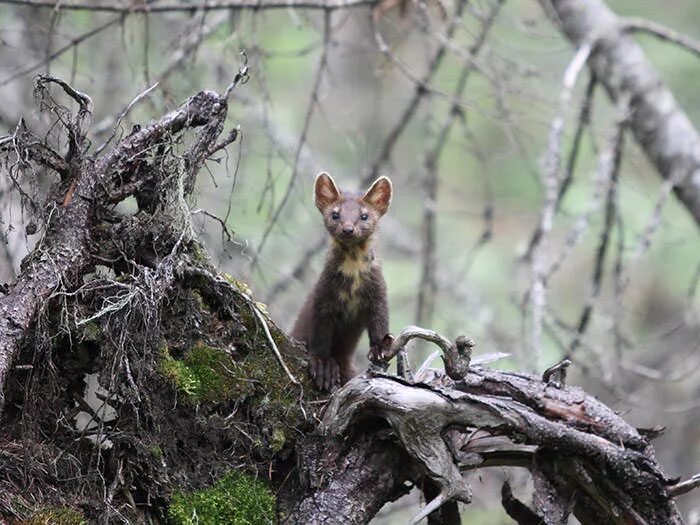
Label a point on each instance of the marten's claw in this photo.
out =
(380, 354)
(326, 372)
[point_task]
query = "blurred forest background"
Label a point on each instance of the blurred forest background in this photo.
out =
(457, 110)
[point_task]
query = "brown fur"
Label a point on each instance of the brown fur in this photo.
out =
(350, 294)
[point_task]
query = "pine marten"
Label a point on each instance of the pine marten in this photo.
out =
(350, 294)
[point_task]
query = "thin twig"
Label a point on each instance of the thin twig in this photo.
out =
(428, 285)
(419, 92)
(643, 25)
(73, 43)
(551, 180)
(611, 163)
(273, 345)
(552, 159)
(207, 5)
(583, 120)
(138, 98)
(190, 43)
(224, 229)
(315, 98)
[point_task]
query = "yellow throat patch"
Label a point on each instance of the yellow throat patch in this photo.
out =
(355, 267)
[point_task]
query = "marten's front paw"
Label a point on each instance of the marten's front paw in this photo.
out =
(325, 371)
(380, 353)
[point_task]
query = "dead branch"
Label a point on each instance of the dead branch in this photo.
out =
(209, 5)
(611, 166)
(659, 125)
(419, 92)
(313, 104)
(642, 25)
(427, 288)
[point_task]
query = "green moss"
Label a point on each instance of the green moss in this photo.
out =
(199, 254)
(56, 516)
(92, 332)
(157, 451)
(204, 374)
(235, 499)
(263, 309)
(278, 440)
(197, 296)
(242, 286)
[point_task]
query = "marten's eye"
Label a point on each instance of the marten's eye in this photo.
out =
(335, 215)
(364, 216)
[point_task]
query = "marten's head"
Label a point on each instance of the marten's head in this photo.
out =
(351, 217)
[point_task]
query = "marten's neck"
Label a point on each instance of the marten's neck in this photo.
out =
(351, 259)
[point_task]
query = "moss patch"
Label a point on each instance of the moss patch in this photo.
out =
(204, 374)
(56, 516)
(92, 332)
(235, 499)
(240, 285)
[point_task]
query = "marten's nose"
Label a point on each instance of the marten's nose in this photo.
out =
(348, 228)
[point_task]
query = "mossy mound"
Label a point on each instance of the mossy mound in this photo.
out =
(204, 374)
(235, 499)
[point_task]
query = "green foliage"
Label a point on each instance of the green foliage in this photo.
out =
(235, 499)
(56, 516)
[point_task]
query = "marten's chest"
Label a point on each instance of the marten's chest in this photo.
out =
(354, 277)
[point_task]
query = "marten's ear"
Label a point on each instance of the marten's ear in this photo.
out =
(379, 195)
(325, 191)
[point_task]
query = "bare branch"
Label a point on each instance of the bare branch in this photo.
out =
(138, 98)
(610, 164)
(659, 125)
(70, 45)
(685, 486)
(427, 288)
(419, 92)
(551, 179)
(208, 5)
(642, 25)
(313, 103)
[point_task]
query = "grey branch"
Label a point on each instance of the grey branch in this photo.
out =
(209, 5)
(660, 31)
(659, 125)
